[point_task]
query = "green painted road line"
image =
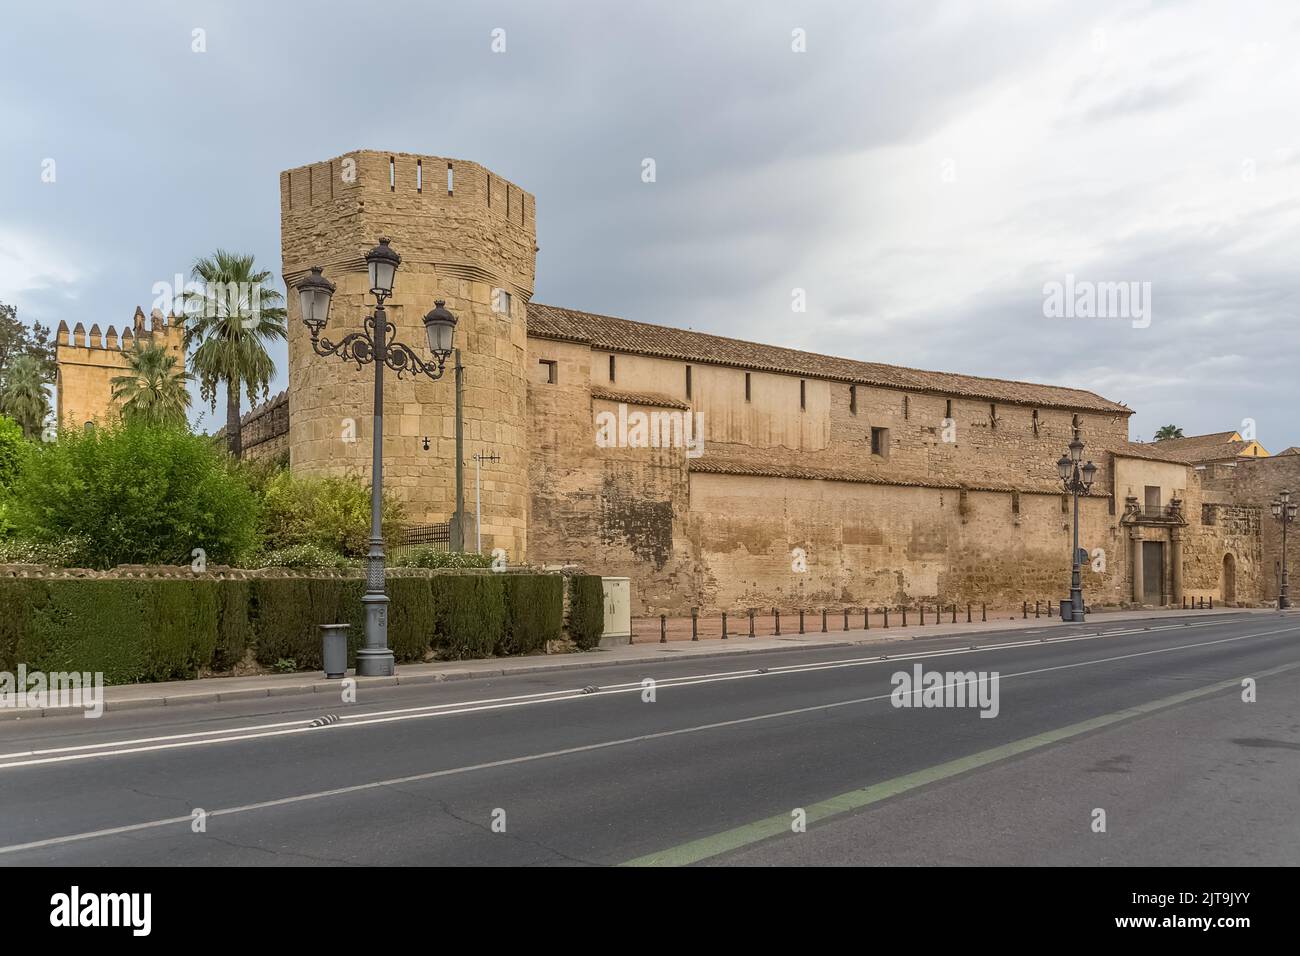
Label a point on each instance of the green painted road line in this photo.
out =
(711, 846)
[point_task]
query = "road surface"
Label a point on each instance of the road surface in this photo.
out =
(797, 757)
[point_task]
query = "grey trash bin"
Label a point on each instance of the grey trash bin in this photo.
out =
(1067, 610)
(334, 649)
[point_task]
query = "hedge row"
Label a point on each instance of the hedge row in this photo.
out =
(137, 630)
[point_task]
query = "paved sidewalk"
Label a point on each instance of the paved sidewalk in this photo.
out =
(216, 689)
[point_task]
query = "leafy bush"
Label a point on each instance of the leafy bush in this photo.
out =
(332, 513)
(427, 556)
(586, 610)
(133, 494)
(57, 554)
(12, 446)
(534, 606)
(304, 556)
(469, 611)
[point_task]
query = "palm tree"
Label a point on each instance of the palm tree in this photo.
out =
(24, 398)
(1169, 431)
(227, 328)
(155, 390)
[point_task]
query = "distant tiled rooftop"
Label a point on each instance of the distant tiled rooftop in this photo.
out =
(1155, 451)
(1198, 448)
(623, 335)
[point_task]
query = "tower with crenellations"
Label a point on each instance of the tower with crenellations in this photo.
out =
(466, 236)
(87, 364)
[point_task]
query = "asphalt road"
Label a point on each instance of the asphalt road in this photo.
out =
(721, 767)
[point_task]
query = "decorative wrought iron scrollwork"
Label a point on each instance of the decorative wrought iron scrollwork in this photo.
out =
(360, 347)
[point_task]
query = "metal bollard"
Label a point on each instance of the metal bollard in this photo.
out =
(776, 619)
(1024, 610)
(1211, 602)
(751, 622)
(800, 620)
(695, 623)
(724, 625)
(866, 618)
(663, 628)
(1035, 610)
(984, 616)
(904, 615)
(823, 620)
(954, 613)
(334, 649)
(886, 613)
(922, 615)
(846, 619)
(968, 612)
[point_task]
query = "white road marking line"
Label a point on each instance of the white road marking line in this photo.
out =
(550, 754)
(255, 731)
(362, 720)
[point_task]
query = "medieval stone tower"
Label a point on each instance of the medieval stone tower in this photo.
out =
(465, 235)
(87, 365)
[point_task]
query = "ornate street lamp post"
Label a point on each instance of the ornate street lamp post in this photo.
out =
(1077, 480)
(1284, 510)
(376, 343)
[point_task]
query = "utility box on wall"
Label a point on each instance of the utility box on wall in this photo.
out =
(618, 612)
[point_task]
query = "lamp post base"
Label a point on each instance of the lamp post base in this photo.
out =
(375, 663)
(375, 659)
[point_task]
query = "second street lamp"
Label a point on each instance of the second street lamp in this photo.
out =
(1077, 480)
(1284, 510)
(375, 342)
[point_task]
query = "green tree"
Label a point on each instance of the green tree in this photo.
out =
(11, 452)
(23, 397)
(154, 391)
(134, 494)
(17, 339)
(1169, 431)
(227, 328)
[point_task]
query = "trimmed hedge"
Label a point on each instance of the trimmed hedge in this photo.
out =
(534, 606)
(141, 629)
(586, 610)
(469, 614)
(132, 630)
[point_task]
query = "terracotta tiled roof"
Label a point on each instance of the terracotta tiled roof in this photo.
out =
(1198, 448)
(623, 335)
(1152, 452)
(721, 458)
(637, 398)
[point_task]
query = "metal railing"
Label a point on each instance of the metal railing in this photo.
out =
(436, 536)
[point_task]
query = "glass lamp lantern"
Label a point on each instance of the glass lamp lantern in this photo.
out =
(440, 328)
(314, 295)
(382, 262)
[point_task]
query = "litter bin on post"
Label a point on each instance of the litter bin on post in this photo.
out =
(1067, 610)
(334, 649)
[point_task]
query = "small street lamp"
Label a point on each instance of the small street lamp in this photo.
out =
(1284, 511)
(1077, 480)
(376, 343)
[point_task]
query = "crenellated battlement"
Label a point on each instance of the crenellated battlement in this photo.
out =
(170, 329)
(452, 214)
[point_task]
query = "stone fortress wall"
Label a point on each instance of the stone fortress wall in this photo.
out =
(88, 363)
(820, 481)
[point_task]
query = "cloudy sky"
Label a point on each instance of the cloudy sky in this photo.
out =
(921, 170)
